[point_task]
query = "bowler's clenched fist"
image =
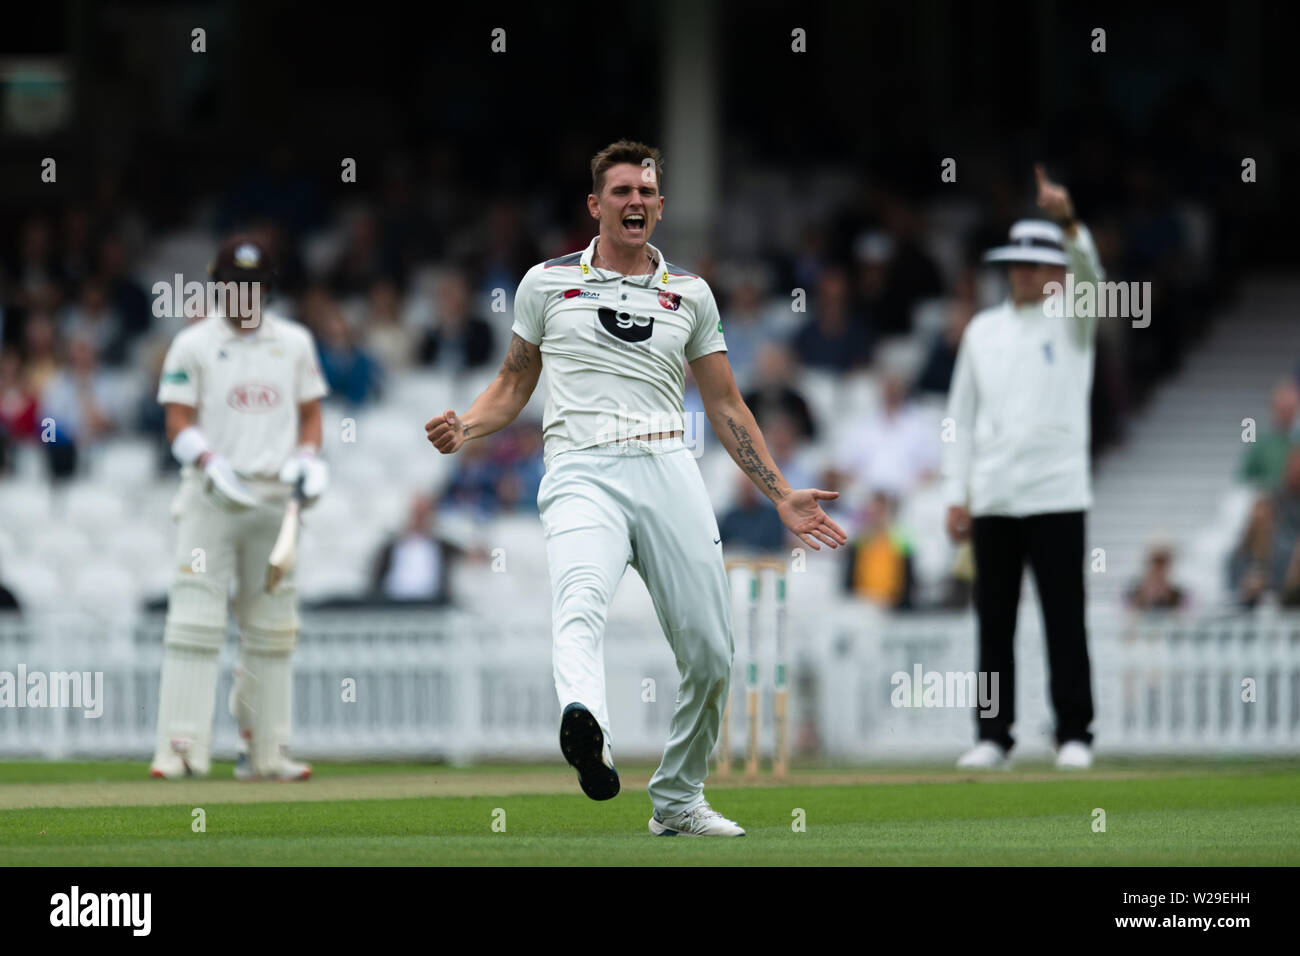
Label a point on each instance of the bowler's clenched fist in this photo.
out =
(445, 432)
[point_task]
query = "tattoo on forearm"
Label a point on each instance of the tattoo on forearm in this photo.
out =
(517, 359)
(749, 459)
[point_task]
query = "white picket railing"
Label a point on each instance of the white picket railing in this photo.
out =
(457, 686)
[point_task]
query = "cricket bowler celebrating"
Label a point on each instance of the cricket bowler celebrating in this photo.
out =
(615, 325)
(242, 395)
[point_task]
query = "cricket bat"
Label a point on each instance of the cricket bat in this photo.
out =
(285, 552)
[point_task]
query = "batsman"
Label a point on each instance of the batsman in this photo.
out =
(615, 325)
(242, 391)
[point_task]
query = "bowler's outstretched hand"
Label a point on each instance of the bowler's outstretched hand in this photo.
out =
(800, 513)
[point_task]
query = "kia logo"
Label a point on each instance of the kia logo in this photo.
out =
(254, 397)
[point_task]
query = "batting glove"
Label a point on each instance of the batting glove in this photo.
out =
(224, 487)
(314, 474)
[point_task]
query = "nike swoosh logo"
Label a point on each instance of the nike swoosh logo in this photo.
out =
(717, 541)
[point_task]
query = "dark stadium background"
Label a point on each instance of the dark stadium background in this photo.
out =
(477, 162)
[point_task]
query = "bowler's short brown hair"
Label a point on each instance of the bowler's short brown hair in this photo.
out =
(624, 151)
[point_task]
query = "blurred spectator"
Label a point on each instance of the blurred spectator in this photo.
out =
(78, 400)
(527, 466)
(501, 473)
(879, 568)
(94, 319)
(774, 392)
(506, 248)
(1263, 461)
(313, 307)
(788, 451)
(76, 255)
(1155, 590)
(936, 372)
(36, 265)
(893, 272)
(290, 271)
(1250, 571)
(1267, 559)
(473, 485)
(833, 338)
(415, 564)
(40, 351)
(363, 260)
(125, 296)
(742, 326)
(352, 375)
(810, 260)
(458, 340)
(752, 525)
(384, 333)
(894, 452)
(150, 416)
(17, 407)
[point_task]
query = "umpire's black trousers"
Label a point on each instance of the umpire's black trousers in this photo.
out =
(1053, 546)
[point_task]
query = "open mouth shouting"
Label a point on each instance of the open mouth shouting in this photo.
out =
(634, 224)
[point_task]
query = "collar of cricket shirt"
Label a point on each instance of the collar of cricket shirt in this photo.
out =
(591, 273)
(264, 331)
(1029, 311)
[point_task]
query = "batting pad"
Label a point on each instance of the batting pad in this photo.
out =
(263, 695)
(185, 705)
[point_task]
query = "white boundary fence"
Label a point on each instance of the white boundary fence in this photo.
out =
(458, 686)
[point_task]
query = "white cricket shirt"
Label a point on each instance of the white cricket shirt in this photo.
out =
(246, 387)
(1019, 406)
(613, 346)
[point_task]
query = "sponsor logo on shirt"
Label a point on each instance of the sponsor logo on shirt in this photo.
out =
(253, 397)
(177, 377)
(670, 300)
(580, 294)
(625, 325)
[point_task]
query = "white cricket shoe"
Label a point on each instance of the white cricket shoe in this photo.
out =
(284, 769)
(699, 820)
(985, 755)
(178, 763)
(1074, 755)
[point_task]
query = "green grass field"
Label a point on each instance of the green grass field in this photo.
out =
(1229, 813)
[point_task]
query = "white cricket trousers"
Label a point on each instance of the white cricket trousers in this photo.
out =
(643, 504)
(212, 548)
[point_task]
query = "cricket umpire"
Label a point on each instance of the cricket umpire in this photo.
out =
(242, 392)
(1016, 472)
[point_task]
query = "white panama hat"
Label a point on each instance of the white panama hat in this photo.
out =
(1032, 240)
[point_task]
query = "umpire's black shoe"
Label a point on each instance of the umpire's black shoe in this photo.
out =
(583, 745)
